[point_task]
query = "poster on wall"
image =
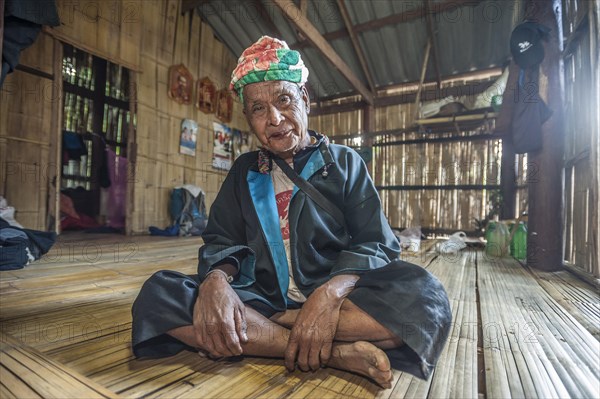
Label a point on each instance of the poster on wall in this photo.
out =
(222, 150)
(189, 137)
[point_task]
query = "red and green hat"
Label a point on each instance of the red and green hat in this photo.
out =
(267, 59)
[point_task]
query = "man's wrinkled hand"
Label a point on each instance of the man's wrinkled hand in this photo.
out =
(219, 318)
(311, 338)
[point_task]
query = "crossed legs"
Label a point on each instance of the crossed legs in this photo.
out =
(358, 343)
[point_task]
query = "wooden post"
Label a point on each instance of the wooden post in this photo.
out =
(508, 184)
(367, 128)
(1, 28)
(54, 174)
(545, 235)
(368, 123)
(131, 154)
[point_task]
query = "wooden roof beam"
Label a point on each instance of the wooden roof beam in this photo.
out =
(294, 15)
(356, 44)
(304, 10)
(431, 31)
(423, 71)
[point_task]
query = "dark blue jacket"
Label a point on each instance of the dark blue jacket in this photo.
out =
(243, 226)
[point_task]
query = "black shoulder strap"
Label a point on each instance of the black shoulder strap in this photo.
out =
(311, 191)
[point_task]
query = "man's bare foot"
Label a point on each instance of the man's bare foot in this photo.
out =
(363, 358)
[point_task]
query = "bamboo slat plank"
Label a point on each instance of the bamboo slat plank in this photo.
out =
(418, 388)
(280, 387)
(241, 383)
(135, 373)
(161, 383)
(554, 327)
(44, 376)
(458, 277)
(498, 380)
(65, 279)
(441, 384)
(54, 328)
(516, 358)
(311, 391)
(579, 298)
(71, 295)
(344, 384)
(548, 351)
(95, 357)
(400, 386)
(11, 386)
(204, 377)
(560, 357)
(456, 370)
(362, 388)
(280, 383)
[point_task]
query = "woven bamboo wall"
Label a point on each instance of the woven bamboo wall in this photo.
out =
(169, 38)
(437, 164)
(26, 137)
(108, 29)
(456, 163)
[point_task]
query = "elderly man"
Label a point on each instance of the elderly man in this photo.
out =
(283, 274)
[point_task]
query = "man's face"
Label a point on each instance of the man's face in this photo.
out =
(277, 112)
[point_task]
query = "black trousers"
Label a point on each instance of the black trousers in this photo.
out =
(404, 298)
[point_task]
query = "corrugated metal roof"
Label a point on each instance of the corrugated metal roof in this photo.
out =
(469, 36)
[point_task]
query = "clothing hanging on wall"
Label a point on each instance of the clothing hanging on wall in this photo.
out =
(23, 20)
(530, 111)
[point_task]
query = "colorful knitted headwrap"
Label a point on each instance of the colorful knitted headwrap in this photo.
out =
(267, 59)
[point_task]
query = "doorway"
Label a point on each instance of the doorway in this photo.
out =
(95, 129)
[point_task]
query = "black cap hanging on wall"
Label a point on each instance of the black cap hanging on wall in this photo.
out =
(530, 111)
(526, 44)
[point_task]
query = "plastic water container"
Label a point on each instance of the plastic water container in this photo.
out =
(496, 236)
(518, 245)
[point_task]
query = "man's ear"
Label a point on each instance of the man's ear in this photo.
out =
(306, 98)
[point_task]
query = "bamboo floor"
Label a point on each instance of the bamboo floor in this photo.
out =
(66, 324)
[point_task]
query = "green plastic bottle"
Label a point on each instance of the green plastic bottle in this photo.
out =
(518, 245)
(496, 236)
